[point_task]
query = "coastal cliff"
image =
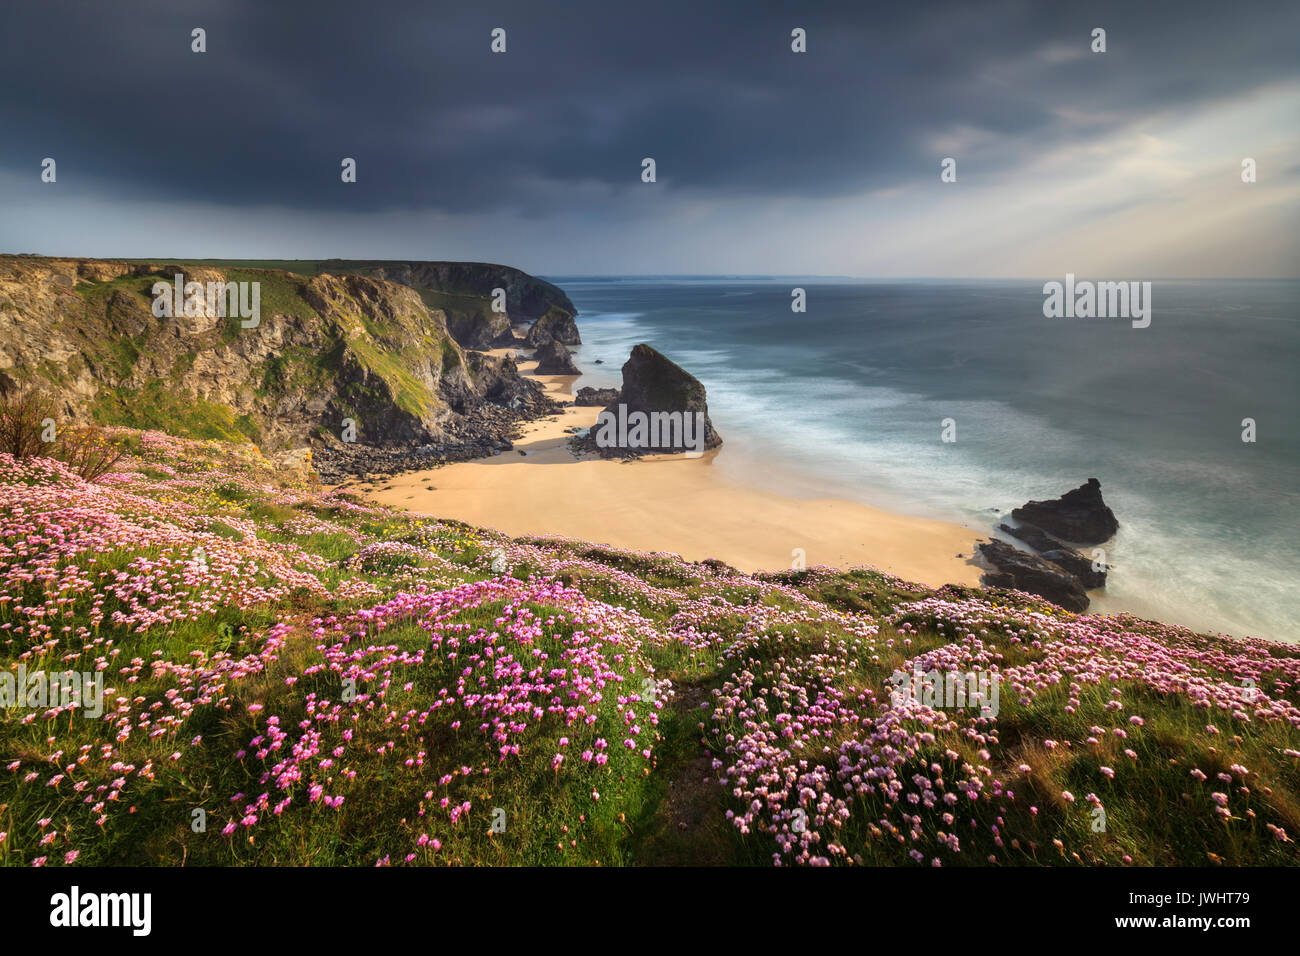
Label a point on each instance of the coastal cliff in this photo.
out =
(333, 358)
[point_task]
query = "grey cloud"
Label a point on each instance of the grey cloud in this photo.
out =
(711, 90)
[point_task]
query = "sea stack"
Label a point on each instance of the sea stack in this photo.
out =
(1057, 572)
(655, 388)
(556, 325)
(1078, 516)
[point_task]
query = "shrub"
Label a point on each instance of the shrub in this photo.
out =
(26, 419)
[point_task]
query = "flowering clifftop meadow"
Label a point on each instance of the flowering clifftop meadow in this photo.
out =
(295, 677)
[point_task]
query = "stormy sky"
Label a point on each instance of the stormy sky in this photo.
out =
(1123, 164)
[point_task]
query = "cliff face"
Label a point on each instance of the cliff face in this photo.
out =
(527, 297)
(326, 348)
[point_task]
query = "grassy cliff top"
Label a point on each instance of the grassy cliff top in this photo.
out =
(323, 681)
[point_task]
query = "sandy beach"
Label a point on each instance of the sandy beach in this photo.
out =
(672, 503)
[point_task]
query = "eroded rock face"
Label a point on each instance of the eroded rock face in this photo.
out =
(554, 359)
(480, 330)
(1078, 516)
(556, 325)
(1072, 562)
(1022, 571)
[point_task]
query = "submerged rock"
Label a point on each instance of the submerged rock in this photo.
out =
(1035, 537)
(1079, 515)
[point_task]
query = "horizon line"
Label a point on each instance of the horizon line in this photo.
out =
(661, 275)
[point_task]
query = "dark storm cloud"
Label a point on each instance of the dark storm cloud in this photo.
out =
(710, 90)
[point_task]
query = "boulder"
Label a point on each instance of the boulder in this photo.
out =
(1079, 516)
(595, 396)
(556, 324)
(294, 464)
(1022, 571)
(554, 359)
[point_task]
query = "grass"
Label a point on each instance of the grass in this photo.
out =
(156, 407)
(737, 657)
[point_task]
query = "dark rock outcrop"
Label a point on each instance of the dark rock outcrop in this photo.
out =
(1072, 562)
(1078, 516)
(497, 382)
(1057, 572)
(1022, 571)
(554, 359)
(1059, 553)
(1035, 537)
(595, 396)
(654, 388)
(556, 325)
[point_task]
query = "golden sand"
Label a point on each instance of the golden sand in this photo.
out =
(673, 503)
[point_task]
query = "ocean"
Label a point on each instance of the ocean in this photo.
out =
(849, 399)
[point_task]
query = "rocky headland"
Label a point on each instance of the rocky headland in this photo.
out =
(356, 362)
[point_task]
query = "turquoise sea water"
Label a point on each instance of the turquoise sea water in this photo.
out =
(848, 398)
